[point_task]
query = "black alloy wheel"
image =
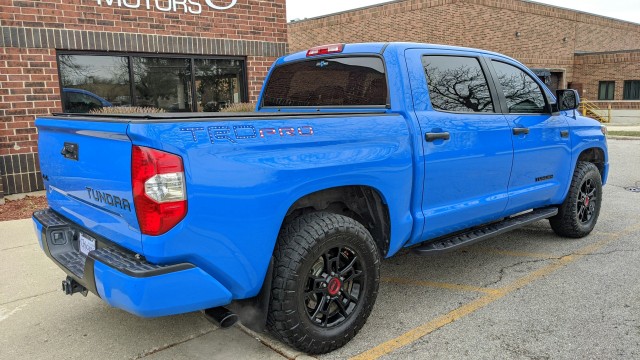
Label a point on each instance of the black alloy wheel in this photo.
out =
(335, 284)
(587, 200)
(578, 214)
(325, 282)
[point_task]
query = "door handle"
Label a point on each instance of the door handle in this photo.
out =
(520, 131)
(564, 134)
(431, 137)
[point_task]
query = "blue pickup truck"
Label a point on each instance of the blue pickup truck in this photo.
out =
(355, 152)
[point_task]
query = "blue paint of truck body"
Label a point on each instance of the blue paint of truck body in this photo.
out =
(241, 184)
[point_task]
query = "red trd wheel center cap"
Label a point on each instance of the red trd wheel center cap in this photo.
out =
(586, 201)
(334, 286)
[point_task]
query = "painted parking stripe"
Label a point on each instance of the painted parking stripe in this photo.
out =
(464, 310)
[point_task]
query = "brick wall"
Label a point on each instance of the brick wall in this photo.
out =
(548, 36)
(31, 33)
(260, 20)
(618, 66)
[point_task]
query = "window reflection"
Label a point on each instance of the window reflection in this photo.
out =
(163, 83)
(457, 84)
(93, 82)
(217, 83)
(523, 94)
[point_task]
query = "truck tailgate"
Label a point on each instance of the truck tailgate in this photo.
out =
(86, 166)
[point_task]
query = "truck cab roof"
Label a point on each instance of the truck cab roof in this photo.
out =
(382, 48)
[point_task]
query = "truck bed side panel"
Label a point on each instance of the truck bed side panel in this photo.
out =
(243, 175)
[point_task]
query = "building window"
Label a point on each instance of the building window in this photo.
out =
(606, 90)
(92, 82)
(218, 83)
(631, 90)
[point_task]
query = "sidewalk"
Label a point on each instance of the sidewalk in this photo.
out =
(617, 131)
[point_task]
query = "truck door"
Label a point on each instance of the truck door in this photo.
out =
(541, 139)
(467, 145)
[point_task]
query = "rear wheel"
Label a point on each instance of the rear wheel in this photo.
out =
(327, 269)
(579, 212)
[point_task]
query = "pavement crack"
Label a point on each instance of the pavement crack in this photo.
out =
(173, 344)
(28, 297)
(611, 252)
(504, 269)
(16, 247)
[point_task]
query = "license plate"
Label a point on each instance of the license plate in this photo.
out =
(87, 244)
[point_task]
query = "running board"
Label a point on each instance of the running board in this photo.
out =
(475, 235)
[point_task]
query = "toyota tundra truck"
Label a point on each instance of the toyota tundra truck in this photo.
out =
(355, 152)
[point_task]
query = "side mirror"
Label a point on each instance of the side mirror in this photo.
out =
(567, 99)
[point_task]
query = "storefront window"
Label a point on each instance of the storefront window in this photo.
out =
(93, 82)
(217, 83)
(163, 83)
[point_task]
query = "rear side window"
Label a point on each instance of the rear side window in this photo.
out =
(457, 84)
(523, 94)
(347, 81)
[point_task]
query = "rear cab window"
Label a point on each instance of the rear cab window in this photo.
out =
(328, 82)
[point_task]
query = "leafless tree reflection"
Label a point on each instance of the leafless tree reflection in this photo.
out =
(457, 84)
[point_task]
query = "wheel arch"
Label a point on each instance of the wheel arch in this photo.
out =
(596, 156)
(362, 203)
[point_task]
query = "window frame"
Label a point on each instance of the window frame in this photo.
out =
(329, 56)
(624, 89)
(500, 90)
(244, 93)
(495, 100)
(613, 93)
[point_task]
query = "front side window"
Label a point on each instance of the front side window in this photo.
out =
(457, 84)
(523, 94)
(631, 90)
(344, 81)
(173, 84)
(606, 90)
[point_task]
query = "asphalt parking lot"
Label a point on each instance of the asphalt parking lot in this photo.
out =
(524, 295)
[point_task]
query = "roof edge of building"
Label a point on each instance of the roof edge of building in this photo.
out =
(587, 53)
(294, 22)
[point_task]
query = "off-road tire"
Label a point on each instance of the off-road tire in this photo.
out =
(570, 221)
(301, 245)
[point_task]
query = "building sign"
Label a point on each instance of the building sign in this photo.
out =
(187, 6)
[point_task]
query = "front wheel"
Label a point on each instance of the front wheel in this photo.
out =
(579, 212)
(327, 270)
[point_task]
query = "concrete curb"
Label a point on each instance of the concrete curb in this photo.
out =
(276, 345)
(620, 137)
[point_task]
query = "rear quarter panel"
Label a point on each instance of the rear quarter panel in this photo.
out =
(243, 176)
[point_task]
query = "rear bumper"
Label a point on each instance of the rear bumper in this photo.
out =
(123, 279)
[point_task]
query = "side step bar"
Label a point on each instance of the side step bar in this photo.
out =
(475, 235)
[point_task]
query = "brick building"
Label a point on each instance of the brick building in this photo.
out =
(597, 55)
(82, 55)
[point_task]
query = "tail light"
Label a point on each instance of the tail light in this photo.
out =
(159, 191)
(325, 49)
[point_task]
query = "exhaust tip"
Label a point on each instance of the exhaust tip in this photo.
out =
(221, 316)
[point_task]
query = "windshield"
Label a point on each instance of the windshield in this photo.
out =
(343, 81)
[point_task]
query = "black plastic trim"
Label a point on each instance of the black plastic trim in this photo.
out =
(471, 236)
(103, 246)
